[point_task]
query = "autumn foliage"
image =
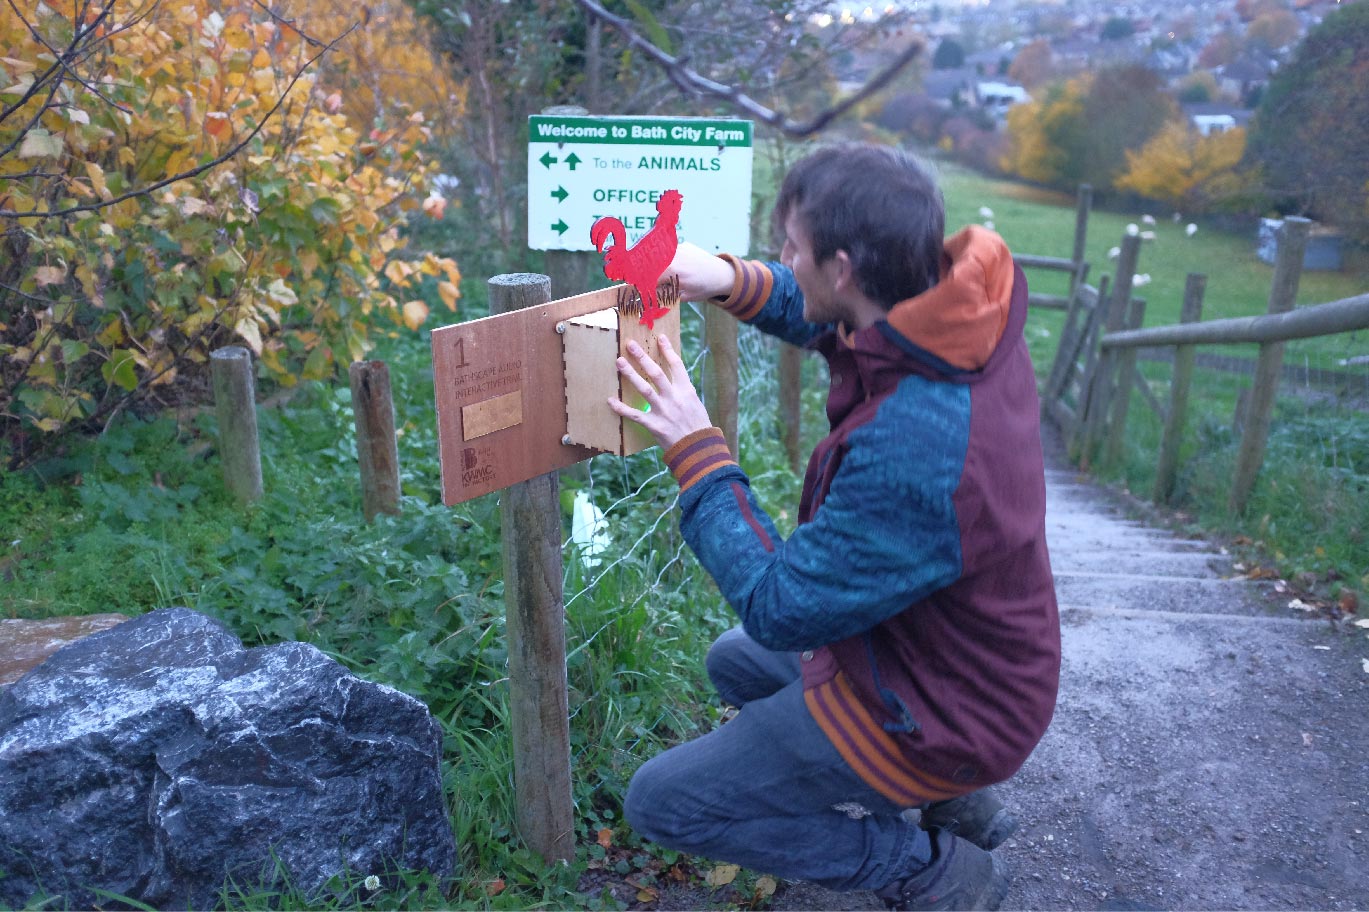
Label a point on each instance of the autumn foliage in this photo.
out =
(175, 177)
(1184, 168)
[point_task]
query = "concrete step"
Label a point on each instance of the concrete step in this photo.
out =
(1181, 594)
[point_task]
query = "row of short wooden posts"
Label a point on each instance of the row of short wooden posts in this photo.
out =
(240, 446)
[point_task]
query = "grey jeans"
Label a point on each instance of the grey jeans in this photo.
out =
(768, 790)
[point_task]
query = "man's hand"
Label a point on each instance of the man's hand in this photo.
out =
(702, 275)
(674, 410)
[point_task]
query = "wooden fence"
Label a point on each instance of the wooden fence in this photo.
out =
(1089, 387)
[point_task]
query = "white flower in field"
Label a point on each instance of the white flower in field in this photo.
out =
(371, 883)
(985, 212)
(1114, 253)
(1147, 235)
(1177, 217)
(1132, 229)
(1138, 280)
(1191, 230)
(589, 530)
(988, 223)
(1147, 220)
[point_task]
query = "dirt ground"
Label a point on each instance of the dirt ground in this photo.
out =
(1210, 748)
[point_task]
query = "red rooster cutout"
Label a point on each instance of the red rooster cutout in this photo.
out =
(641, 264)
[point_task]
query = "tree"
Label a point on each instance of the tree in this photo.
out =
(1224, 48)
(1034, 65)
(1081, 129)
(754, 57)
(1046, 137)
(1273, 30)
(949, 55)
(1125, 106)
(1312, 127)
(1183, 168)
(1198, 87)
(174, 177)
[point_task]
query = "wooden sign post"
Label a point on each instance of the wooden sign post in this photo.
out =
(520, 394)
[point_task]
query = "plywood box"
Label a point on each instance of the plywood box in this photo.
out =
(591, 345)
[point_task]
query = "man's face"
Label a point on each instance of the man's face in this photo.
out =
(816, 280)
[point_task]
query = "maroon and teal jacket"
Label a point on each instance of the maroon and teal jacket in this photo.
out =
(917, 586)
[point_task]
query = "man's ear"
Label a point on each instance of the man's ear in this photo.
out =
(843, 271)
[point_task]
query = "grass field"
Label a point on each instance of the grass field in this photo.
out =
(1309, 515)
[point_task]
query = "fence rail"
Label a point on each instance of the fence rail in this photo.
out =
(1110, 337)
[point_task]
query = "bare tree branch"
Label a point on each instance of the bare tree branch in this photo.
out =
(200, 169)
(61, 58)
(690, 81)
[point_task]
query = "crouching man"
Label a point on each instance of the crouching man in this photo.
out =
(901, 649)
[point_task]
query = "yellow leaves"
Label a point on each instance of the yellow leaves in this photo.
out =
(281, 294)
(18, 67)
(449, 293)
(96, 174)
(722, 875)
(415, 314)
(250, 332)
(1175, 164)
(435, 205)
(39, 143)
(398, 272)
(216, 124)
(49, 275)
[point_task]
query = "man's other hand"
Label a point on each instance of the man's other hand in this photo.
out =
(674, 409)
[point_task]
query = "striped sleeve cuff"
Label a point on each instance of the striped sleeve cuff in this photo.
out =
(695, 456)
(751, 286)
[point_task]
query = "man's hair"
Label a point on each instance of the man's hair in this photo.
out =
(879, 205)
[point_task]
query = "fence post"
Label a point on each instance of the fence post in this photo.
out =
(1104, 377)
(1067, 349)
(1093, 326)
(720, 374)
(373, 410)
(791, 402)
(1126, 371)
(530, 513)
(1083, 204)
(1283, 292)
(235, 404)
(1167, 467)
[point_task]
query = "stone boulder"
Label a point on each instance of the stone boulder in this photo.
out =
(159, 759)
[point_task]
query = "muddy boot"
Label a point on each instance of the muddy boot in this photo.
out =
(979, 817)
(960, 876)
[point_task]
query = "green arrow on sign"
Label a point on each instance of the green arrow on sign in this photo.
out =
(560, 193)
(572, 159)
(559, 226)
(548, 159)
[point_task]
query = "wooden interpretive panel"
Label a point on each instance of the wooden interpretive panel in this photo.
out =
(503, 385)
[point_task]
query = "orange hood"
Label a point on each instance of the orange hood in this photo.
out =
(961, 319)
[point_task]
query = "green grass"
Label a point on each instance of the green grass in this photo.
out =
(1308, 516)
